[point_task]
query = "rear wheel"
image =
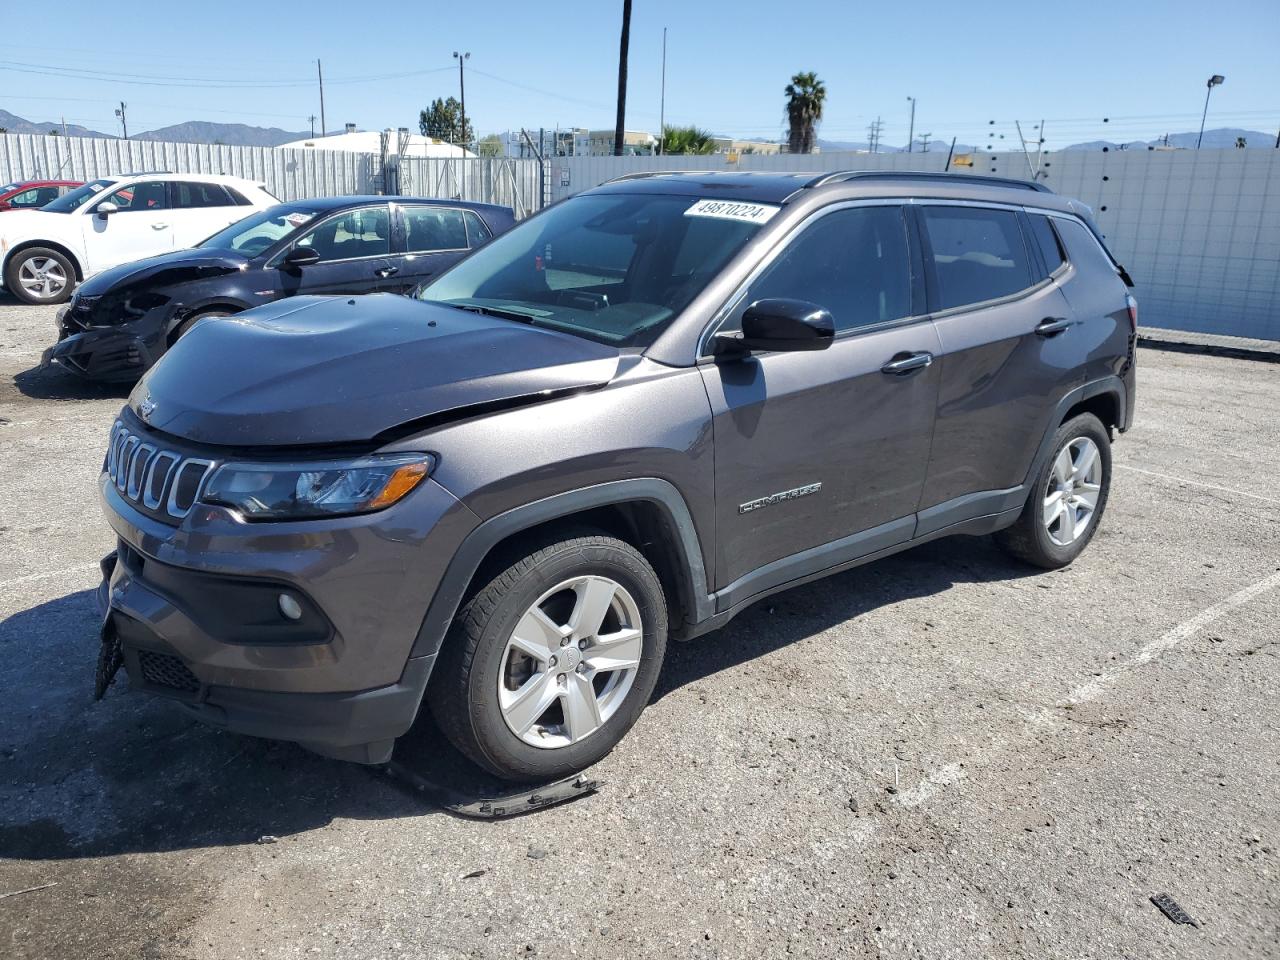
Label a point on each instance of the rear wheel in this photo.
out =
(39, 275)
(551, 661)
(1067, 498)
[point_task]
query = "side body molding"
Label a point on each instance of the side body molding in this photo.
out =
(480, 541)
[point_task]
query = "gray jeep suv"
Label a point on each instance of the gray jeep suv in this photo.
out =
(624, 421)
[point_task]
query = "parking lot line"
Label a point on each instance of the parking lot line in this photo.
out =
(1196, 483)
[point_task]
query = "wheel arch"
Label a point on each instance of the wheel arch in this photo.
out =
(1104, 398)
(186, 313)
(648, 513)
(47, 245)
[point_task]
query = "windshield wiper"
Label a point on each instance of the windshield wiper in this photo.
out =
(495, 312)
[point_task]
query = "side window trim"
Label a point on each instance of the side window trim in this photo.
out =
(1028, 230)
(727, 308)
(274, 262)
(931, 273)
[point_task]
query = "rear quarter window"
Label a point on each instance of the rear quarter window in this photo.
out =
(1082, 247)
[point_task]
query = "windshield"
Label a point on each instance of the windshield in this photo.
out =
(76, 198)
(255, 234)
(615, 268)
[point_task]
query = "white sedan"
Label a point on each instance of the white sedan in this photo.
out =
(45, 252)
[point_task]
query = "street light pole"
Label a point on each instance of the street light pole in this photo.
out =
(911, 132)
(1216, 80)
(462, 90)
(662, 100)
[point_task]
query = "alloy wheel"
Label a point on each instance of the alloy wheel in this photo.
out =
(570, 661)
(1071, 496)
(42, 277)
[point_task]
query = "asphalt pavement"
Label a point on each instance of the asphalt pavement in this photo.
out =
(942, 755)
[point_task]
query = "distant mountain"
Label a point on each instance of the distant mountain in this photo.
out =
(1221, 138)
(231, 134)
(16, 124)
(935, 146)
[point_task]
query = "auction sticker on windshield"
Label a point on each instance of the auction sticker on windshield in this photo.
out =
(732, 210)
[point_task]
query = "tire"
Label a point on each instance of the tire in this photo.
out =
(1037, 539)
(485, 686)
(34, 268)
(182, 329)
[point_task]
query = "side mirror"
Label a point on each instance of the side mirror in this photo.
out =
(779, 324)
(301, 257)
(105, 209)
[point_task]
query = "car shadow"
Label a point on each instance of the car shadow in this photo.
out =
(131, 774)
(54, 383)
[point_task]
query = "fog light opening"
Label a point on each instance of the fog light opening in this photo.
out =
(290, 609)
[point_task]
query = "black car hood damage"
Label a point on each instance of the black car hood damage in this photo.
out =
(335, 370)
(164, 270)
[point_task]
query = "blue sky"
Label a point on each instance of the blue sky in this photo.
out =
(1141, 65)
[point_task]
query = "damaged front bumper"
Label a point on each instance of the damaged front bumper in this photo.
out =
(101, 354)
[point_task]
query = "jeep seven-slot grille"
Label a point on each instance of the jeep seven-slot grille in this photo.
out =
(159, 480)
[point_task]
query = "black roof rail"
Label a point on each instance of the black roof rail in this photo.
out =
(843, 176)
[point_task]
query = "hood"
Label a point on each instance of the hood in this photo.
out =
(313, 370)
(177, 266)
(25, 222)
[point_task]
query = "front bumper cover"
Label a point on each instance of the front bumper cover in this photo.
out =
(101, 354)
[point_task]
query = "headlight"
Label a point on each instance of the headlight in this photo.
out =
(295, 491)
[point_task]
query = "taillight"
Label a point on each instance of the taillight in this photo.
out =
(1132, 304)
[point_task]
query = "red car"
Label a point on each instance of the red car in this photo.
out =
(34, 194)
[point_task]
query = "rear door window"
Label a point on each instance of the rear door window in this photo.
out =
(428, 229)
(187, 195)
(977, 254)
(34, 198)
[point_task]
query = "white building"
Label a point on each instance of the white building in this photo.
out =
(370, 141)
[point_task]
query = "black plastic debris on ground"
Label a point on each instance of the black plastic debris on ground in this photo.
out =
(1171, 909)
(425, 761)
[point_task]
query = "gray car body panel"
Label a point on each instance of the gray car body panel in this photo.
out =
(530, 427)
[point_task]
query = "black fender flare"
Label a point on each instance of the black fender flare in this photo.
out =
(1111, 384)
(477, 545)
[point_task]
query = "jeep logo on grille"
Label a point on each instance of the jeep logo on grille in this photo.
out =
(146, 407)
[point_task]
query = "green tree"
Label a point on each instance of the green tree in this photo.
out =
(490, 146)
(805, 97)
(443, 119)
(687, 140)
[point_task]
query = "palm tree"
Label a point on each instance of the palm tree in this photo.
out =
(805, 96)
(619, 132)
(687, 140)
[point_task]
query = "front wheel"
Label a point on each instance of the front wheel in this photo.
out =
(39, 275)
(551, 661)
(1067, 497)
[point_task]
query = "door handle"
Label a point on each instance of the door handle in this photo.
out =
(1052, 326)
(387, 272)
(905, 363)
(159, 226)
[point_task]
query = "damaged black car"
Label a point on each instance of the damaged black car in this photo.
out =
(121, 321)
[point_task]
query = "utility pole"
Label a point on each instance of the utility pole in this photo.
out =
(911, 131)
(312, 120)
(662, 100)
(873, 135)
(624, 44)
(324, 129)
(462, 92)
(124, 121)
(924, 142)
